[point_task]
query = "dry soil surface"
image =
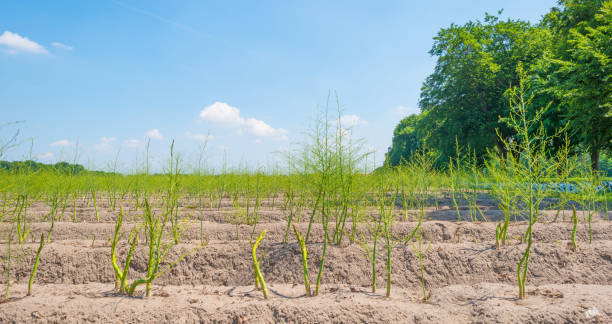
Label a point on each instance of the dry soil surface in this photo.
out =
(467, 279)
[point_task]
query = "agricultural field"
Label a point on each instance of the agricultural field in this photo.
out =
(179, 162)
(405, 245)
(516, 237)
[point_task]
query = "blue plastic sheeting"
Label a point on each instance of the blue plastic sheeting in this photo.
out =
(570, 187)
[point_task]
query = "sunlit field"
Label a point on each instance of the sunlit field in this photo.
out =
(318, 235)
(312, 162)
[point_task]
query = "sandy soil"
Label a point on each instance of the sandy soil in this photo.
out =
(467, 278)
(481, 302)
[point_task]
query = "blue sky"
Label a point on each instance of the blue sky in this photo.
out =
(246, 75)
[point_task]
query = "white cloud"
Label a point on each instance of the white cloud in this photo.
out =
(224, 114)
(132, 143)
(154, 134)
(404, 111)
(351, 121)
(62, 46)
(199, 137)
(105, 144)
(45, 156)
(259, 128)
(62, 143)
(17, 43)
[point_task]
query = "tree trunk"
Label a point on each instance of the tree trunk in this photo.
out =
(595, 159)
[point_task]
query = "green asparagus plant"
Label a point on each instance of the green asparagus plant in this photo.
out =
(35, 267)
(574, 227)
(259, 279)
(304, 252)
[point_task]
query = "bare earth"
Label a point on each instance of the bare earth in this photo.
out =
(467, 278)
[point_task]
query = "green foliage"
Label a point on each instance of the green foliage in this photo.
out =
(476, 64)
(574, 228)
(579, 70)
(530, 165)
(120, 276)
(605, 165)
(406, 140)
(567, 61)
(33, 166)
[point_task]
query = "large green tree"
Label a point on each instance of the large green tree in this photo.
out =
(477, 62)
(406, 140)
(577, 70)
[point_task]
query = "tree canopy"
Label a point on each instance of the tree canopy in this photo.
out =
(33, 166)
(406, 141)
(566, 57)
(580, 70)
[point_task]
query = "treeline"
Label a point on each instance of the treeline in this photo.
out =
(33, 166)
(465, 103)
